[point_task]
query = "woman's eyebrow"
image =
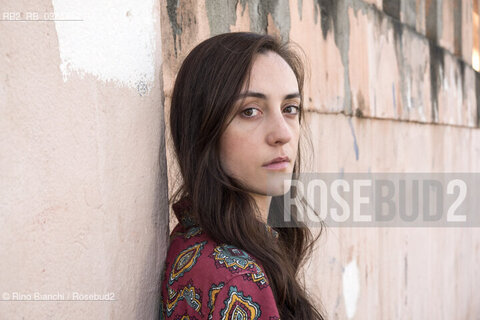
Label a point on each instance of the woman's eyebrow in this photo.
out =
(262, 96)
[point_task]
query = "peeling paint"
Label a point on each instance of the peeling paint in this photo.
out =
(392, 8)
(334, 14)
(221, 15)
(411, 70)
(437, 67)
(113, 44)
(259, 10)
(172, 6)
(328, 15)
(404, 69)
(280, 11)
(351, 288)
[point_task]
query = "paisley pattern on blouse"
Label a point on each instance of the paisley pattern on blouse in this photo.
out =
(212, 294)
(258, 278)
(185, 261)
(189, 293)
(202, 279)
(193, 232)
(240, 307)
(237, 260)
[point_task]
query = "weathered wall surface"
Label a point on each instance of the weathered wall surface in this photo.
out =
(391, 89)
(83, 197)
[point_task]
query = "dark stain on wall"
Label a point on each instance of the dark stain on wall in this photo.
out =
(431, 11)
(259, 10)
(392, 8)
(172, 6)
(437, 67)
(457, 24)
(334, 17)
(401, 63)
(361, 105)
(221, 15)
(328, 15)
(398, 35)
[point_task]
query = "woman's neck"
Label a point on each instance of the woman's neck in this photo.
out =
(263, 203)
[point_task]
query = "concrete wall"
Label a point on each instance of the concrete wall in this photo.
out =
(391, 89)
(83, 197)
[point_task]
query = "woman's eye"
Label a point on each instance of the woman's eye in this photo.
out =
(250, 112)
(292, 109)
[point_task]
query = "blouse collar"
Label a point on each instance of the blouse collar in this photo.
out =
(184, 216)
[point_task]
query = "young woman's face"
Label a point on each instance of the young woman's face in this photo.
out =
(265, 127)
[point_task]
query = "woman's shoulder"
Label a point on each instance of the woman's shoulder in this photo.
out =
(199, 270)
(192, 250)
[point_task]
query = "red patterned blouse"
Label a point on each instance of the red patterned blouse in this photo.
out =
(206, 280)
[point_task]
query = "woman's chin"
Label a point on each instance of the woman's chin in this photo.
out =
(278, 187)
(279, 183)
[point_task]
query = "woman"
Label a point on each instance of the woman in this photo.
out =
(235, 119)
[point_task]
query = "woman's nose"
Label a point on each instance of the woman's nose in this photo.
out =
(279, 131)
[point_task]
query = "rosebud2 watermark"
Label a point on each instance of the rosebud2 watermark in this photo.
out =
(380, 199)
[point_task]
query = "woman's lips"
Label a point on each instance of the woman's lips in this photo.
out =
(277, 165)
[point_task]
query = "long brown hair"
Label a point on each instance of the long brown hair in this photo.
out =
(207, 84)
